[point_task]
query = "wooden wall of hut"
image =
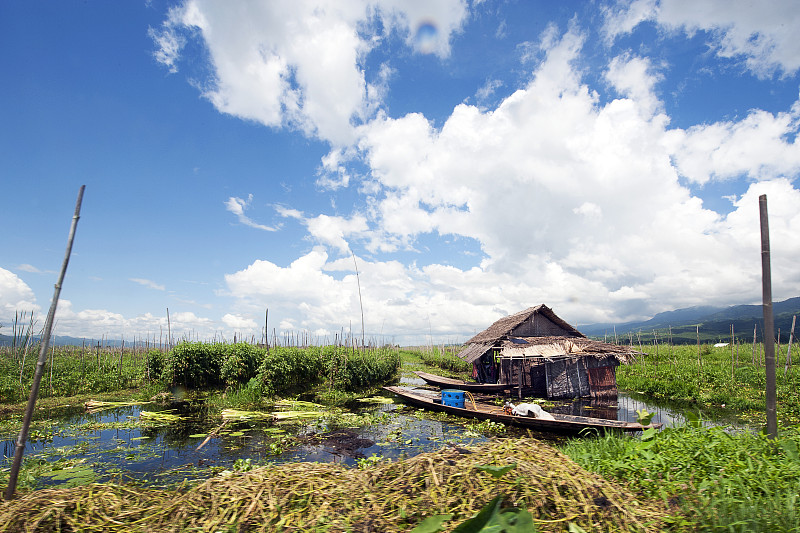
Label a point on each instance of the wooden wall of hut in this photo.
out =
(539, 326)
(572, 377)
(528, 372)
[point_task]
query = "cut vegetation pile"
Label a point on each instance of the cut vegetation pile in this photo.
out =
(384, 497)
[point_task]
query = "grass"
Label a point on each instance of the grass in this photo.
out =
(717, 481)
(717, 377)
(444, 357)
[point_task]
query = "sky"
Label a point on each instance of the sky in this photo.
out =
(419, 168)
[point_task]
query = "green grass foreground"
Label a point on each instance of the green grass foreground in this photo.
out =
(717, 481)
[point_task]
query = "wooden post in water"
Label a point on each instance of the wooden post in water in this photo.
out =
(769, 324)
(789, 349)
(19, 448)
(733, 377)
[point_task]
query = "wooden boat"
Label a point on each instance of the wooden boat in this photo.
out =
(484, 411)
(460, 384)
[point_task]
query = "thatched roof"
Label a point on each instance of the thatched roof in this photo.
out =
(503, 327)
(557, 347)
(567, 342)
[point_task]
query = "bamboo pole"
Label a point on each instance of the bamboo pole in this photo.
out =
(19, 449)
(169, 330)
(769, 324)
(789, 349)
(360, 303)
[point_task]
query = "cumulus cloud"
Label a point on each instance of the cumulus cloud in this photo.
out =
(239, 323)
(760, 146)
(763, 34)
(575, 203)
(300, 63)
(15, 295)
(99, 323)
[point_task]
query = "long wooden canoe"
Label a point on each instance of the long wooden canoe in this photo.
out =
(484, 411)
(460, 384)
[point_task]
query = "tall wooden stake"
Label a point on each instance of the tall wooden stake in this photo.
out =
(789, 349)
(769, 324)
(19, 449)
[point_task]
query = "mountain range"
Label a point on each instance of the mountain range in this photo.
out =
(713, 323)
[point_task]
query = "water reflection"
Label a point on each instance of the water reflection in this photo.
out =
(117, 446)
(168, 454)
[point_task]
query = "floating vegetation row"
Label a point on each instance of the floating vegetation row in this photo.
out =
(277, 370)
(382, 497)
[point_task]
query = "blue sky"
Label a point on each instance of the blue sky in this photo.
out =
(476, 158)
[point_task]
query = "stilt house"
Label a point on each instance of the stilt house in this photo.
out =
(538, 354)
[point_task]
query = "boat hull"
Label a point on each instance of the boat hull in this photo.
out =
(450, 383)
(561, 424)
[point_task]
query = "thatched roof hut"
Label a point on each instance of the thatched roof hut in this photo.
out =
(538, 353)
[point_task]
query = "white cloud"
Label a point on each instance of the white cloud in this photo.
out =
(333, 231)
(29, 268)
(634, 78)
(148, 283)
(239, 323)
(99, 323)
(761, 146)
(487, 90)
(300, 63)
(15, 295)
(763, 34)
(237, 206)
(577, 203)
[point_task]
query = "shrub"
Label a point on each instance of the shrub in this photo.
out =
(154, 364)
(290, 369)
(241, 363)
(193, 365)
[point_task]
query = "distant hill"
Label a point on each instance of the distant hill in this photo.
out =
(62, 340)
(714, 323)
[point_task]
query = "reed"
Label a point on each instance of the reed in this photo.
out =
(386, 497)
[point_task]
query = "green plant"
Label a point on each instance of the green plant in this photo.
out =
(722, 481)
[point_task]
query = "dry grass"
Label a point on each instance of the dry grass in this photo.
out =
(381, 498)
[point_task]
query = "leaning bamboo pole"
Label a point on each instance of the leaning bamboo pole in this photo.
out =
(19, 449)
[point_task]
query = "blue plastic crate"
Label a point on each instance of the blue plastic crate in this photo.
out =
(453, 398)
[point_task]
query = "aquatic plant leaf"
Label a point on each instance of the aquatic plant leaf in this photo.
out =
(496, 471)
(198, 435)
(522, 522)
(296, 415)
(648, 435)
(478, 523)
(74, 477)
(377, 399)
(790, 449)
(432, 524)
(644, 417)
(692, 419)
(237, 414)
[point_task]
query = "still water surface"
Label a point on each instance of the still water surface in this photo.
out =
(113, 444)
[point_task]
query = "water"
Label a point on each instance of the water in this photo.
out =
(77, 446)
(113, 445)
